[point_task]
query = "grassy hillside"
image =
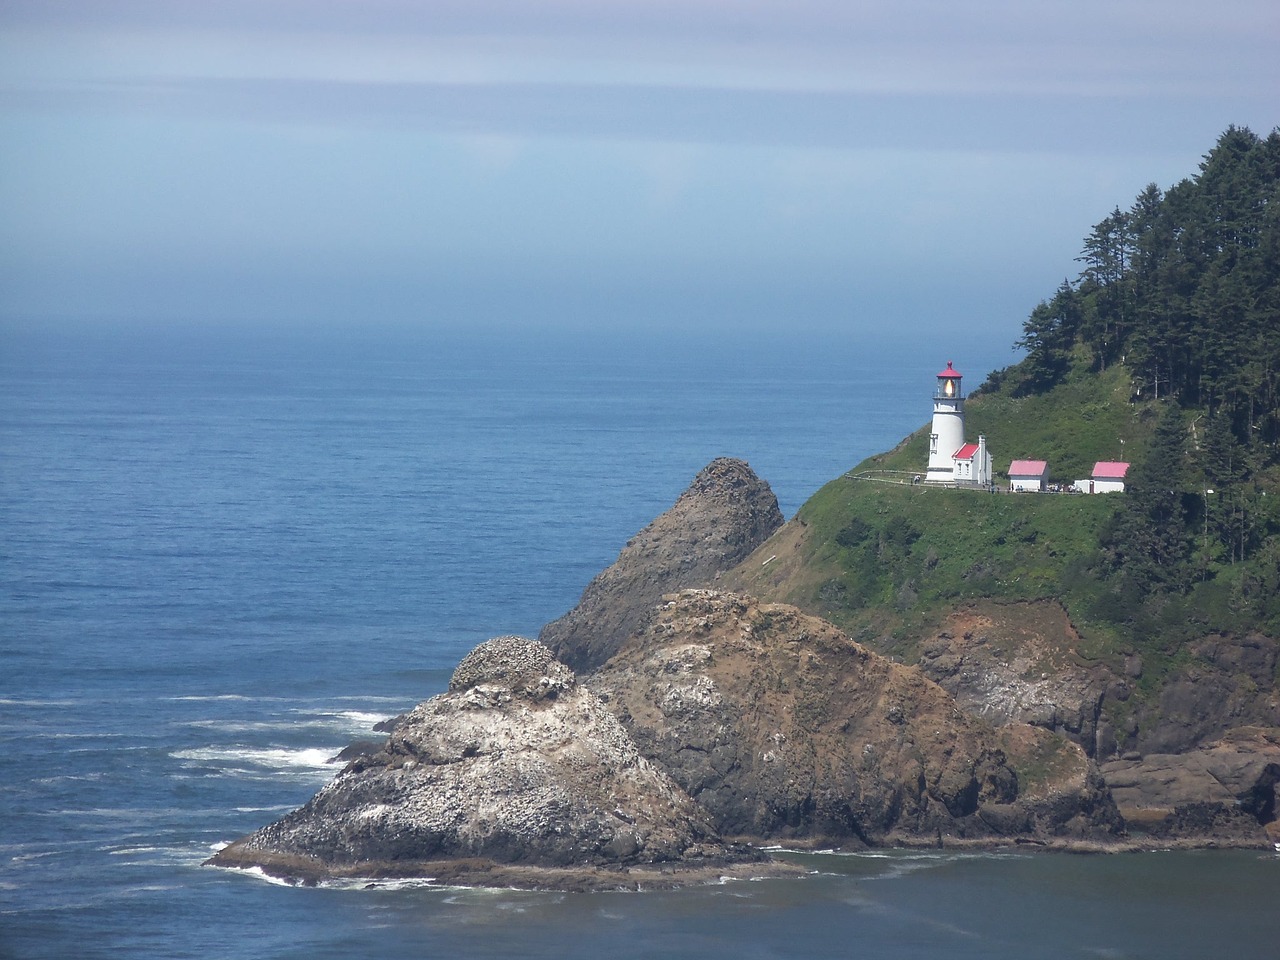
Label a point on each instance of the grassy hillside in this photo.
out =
(888, 561)
(1086, 418)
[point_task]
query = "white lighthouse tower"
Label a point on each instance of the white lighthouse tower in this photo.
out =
(947, 435)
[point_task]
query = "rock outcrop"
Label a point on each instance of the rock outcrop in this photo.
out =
(786, 730)
(517, 776)
(1228, 790)
(721, 518)
(713, 715)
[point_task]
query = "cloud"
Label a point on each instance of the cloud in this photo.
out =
(255, 156)
(1086, 76)
(1089, 48)
(505, 112)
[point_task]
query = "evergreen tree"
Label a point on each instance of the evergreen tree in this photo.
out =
(1150, 545)
(1047, 336)
(1183, 290)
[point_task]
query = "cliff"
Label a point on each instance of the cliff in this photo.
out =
(960, 586)
(786, 730)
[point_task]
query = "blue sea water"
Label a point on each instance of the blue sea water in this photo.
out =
(221, 560)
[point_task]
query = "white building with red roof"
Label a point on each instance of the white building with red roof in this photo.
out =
(972, 463)
(1029, 475)
(1107, 477)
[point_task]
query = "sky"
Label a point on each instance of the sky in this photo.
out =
(737, 167)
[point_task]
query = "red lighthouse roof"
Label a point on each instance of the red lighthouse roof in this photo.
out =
(950, 372)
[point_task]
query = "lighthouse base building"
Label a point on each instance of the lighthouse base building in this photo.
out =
(953, 460)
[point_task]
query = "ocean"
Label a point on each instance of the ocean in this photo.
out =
(223, 558)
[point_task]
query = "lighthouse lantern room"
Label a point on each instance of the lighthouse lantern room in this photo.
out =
(947, 434)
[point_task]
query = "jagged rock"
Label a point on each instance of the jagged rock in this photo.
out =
(360, 748)
(724, 515)
(1227, 790)
(516, 776)
(785, 729)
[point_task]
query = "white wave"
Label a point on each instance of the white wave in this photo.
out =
(71, 778)
(346, 721)
(38, 855)
(457, 893)
(305, 759)
(253, 726)
(124, 813)
(156, 856)
(370, 883)
(259, 874)
(360, 718)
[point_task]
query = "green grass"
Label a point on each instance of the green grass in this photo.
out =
(913, 547)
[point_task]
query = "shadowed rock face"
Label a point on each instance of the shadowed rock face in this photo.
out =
(517, 764)
(784, 728)
(1227, 789)
(1229, 683)
(724, 515)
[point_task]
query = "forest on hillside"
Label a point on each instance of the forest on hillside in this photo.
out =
(1183, 290)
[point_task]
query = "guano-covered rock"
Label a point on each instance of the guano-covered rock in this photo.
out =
(517, 776)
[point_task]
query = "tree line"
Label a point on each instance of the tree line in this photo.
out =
(1183, 289)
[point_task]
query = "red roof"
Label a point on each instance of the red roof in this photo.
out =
(950, 372)
(1028, 468)
(966, 452)
(1109, 470)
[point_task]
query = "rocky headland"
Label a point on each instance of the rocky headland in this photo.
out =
(703, 724)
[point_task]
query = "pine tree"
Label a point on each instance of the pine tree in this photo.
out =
(1047, 336)
(1151, 545)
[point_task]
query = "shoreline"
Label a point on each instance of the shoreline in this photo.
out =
(771, 864)
(488, 874)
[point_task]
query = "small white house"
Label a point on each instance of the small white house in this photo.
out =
(1030, 475)
(1107, 477)
(972, 463)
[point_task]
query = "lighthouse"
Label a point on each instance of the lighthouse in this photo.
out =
(947, 436)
